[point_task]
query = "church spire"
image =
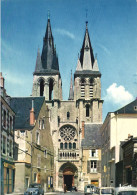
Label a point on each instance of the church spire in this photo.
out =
(71, 92)
(38, 66)
(86, 55)
(49, 57)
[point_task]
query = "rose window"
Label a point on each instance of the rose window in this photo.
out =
(67, 133)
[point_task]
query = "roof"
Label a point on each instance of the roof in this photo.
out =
(92, 136)
(22, 107)
(128, 109)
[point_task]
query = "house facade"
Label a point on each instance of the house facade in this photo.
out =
(115, 129)
(66, 117)
(7, 142)
(35, 162)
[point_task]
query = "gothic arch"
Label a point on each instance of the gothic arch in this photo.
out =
(68, 165)
(41, 82)
(51, 82)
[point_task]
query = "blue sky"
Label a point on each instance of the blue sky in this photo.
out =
(113, 32)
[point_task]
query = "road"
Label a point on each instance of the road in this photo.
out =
(67, 193)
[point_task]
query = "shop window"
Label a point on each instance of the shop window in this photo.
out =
(35, 177)
(61, 145)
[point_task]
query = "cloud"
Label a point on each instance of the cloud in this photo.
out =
(118, 95)
(106, 50)
(65, 33)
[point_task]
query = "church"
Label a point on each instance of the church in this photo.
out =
(75, 123)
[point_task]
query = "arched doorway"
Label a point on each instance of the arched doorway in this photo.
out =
(68, 174)
(68, 177)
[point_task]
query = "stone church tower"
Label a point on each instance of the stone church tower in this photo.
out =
(67, 118)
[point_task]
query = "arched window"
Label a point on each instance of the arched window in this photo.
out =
(66, 145)
(74, 145)
(91, 88)
(41, 87)
(70, 145)
(61, 145)
(82, 88)
(50, 89)
(87, 110)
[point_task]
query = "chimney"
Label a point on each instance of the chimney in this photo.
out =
(83, 129)
(1, 80)
(32, 116)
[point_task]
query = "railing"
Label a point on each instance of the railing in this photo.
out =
(69, 155)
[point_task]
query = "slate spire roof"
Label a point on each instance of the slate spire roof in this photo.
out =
(71, 92)
(49, 58)
(87, 63)
(86, 54)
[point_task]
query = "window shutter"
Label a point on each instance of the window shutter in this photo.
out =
(99, 166)
(88, 166)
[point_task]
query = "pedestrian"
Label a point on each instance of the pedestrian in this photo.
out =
(65, 188)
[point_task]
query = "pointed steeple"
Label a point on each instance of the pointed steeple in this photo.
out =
(38, 66)
(78, 64)
(49, 57)
(86, 54)
(95, 65)
(71, 92)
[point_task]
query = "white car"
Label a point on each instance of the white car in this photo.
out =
(126, 190)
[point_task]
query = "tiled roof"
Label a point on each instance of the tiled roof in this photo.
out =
(92, 136)
(130, 108)
(22, 107)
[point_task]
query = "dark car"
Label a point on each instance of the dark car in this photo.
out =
(34, 189)
(73, 189)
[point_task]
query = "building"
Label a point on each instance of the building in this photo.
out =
(130, 161)
(91, 154)
(35, 162)
(7, 142)
(84, 104)
(114, 130)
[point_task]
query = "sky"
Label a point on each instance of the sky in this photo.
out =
(112, 28)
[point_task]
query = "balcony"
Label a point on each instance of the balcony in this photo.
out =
(68, 155)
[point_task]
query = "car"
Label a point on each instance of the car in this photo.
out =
(106, 191)
(73, 189)
(34, 189)
(126, 190)
(90, 189)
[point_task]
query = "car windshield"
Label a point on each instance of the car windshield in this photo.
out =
(127, 193)
(107, 191)
(34, 185)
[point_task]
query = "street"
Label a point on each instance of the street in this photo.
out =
(67, 193)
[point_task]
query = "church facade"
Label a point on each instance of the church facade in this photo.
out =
(67, 118)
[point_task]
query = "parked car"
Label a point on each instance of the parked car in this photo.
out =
(106, 191)
(34, 189)
(91, 190)
(73, 189)
(126, 190)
